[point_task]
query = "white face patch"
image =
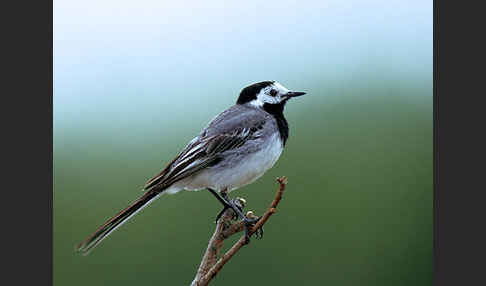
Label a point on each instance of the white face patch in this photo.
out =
(272, 94)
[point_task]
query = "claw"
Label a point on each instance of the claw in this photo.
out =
(259, 233)
(254, 220)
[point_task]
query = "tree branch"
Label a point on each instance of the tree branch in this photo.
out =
(225, 228)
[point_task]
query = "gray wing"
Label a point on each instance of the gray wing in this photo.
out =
(236, 117)
(228, 131)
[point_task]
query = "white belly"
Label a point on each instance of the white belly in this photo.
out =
(244, 172)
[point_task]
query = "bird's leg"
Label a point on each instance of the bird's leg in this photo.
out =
(236, 206)
(227, 203)
(220, 198)
(223, 201)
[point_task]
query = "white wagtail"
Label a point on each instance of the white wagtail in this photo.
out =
(236, 148)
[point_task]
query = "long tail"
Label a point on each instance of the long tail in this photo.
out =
(103, 231)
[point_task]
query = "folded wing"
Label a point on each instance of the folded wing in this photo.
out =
(201, 153)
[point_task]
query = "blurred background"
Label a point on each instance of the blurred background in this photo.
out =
(134, 81)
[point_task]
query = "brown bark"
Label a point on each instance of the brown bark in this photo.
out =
(210, 265)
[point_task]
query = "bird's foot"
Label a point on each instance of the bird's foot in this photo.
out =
(237, 206)
(250, 220)
(253, 220)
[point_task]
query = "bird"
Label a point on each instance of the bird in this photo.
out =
(236, 148)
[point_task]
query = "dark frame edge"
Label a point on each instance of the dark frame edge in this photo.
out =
(50, 181)
(435, 143)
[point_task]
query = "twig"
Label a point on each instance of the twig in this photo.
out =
(210, 266)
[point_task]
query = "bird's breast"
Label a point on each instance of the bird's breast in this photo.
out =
(240, 168)
(247, 168)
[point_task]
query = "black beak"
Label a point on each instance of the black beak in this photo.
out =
(294, 93)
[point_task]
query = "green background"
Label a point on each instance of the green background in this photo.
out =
(133, 83)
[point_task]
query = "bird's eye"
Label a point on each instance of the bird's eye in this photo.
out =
(273, 92)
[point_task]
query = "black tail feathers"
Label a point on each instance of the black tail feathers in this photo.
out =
(103, 231)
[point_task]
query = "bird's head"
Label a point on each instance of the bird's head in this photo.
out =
(266, 93)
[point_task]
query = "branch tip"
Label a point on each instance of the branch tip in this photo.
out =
(282, 181)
